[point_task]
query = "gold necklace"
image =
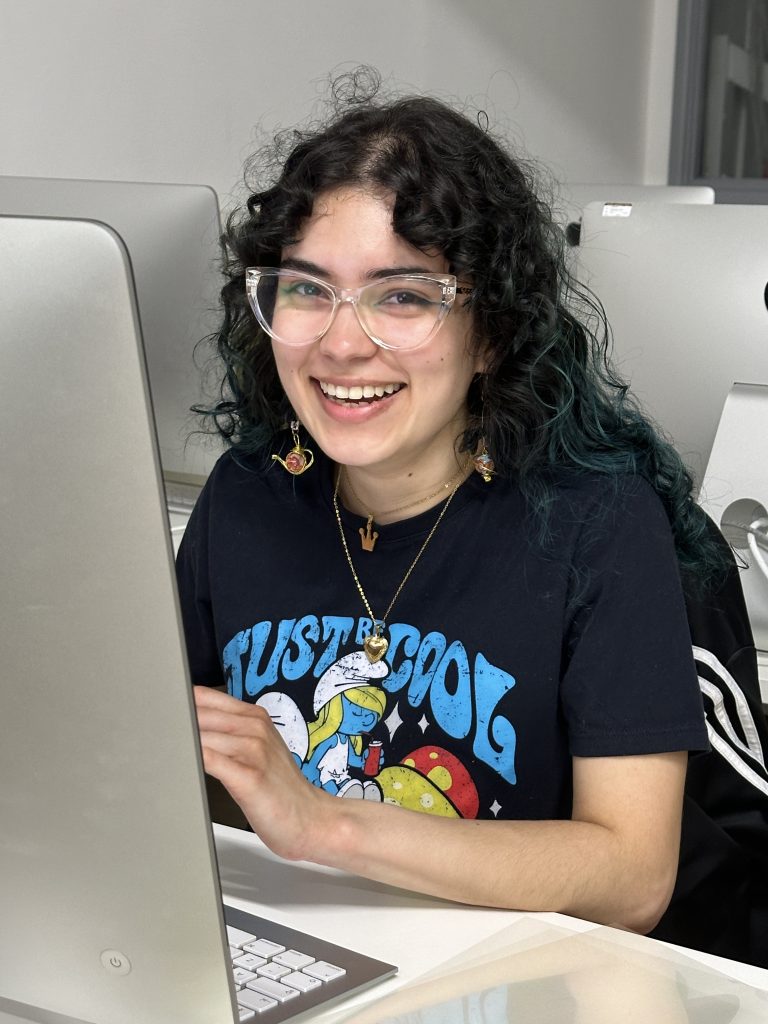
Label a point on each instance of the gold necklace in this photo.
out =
(368, 536)
(375, 645)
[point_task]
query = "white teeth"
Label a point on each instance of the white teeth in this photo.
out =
(358, 391)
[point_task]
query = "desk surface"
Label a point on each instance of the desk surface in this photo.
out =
(418, 933)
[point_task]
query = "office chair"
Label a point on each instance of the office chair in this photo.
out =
(721, 893)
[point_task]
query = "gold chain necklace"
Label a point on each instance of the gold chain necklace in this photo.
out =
(375, 645)
(368, 537)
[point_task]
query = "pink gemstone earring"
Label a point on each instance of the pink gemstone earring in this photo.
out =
(299, 459)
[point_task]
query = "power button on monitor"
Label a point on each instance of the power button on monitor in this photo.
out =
(115, 962)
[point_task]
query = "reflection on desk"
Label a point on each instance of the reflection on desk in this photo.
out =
(537, 973)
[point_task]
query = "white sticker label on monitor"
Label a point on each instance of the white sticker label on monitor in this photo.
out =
(617, 209)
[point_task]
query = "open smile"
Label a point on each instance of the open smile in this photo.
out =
(354, 394)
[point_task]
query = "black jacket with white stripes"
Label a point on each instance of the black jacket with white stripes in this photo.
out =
(720, 902)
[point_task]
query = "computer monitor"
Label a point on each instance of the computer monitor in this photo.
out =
(110, 907)
(171, 234)
(684, 290)
(576, 196)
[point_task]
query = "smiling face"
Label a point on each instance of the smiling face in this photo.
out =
(397, 413)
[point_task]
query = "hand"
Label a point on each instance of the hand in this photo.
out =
(244, 751)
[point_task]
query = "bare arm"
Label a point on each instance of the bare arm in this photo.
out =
(614, 862)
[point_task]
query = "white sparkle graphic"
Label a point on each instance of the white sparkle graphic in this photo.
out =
(394, 721)
(495, 808)
(423, 723)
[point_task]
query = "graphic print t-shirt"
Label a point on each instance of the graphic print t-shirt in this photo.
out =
(504, 658)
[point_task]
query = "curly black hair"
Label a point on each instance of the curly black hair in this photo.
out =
(549, 397)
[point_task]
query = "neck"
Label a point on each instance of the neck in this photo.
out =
(391, 497)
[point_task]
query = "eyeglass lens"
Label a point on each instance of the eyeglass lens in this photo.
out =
(400, 311)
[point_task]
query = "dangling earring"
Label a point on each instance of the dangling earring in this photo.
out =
(299, 459)
(481, 460)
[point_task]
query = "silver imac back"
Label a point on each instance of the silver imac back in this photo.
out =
(684, 290)
(171, 234)
(576, 196)
(110, 909)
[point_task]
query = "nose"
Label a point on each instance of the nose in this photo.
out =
(345, 338)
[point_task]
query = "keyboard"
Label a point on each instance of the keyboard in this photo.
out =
(280, 973)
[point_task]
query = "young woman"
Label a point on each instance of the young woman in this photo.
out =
(437, 490)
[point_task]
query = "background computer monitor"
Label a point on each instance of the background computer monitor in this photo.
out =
(171, 234)
(684, 290)
(574, 197)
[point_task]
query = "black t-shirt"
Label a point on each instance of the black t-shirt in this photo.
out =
(506, 656)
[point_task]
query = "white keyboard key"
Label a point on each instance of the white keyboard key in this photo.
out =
(293, 959)
(242, 977)
(270, 988)
(255, 1000)
(301, 981)
(245, 1014)
(237, 937)
(234, 951)
(273, 971)
(249, 961)
(324, 971)
(263, 947)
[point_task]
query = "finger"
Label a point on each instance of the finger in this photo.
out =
(231, 773)
(207, 696)
(234, 720)
(215, 700)
(247, 750)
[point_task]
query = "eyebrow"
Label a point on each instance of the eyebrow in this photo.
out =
(294, 263)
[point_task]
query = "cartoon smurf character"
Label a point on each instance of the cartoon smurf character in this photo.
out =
(347, 706)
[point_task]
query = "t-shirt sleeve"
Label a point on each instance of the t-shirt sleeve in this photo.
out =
(192, 574)
(630, 685)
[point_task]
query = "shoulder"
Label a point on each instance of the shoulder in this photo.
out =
(601, 512)
(238, 479)
(604, 494)
(234, 469)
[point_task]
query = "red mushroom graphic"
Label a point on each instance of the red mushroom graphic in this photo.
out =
(431, 779)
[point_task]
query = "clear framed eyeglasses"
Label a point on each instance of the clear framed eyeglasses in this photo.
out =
(402, 311)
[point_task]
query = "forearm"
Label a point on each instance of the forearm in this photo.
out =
(614, 862)
(572, 867)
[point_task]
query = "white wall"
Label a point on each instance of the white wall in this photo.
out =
(170, 90)
(659, 91)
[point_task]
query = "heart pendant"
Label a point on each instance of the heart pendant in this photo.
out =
(375, 648)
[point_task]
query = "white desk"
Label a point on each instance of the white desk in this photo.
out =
(418, 933)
